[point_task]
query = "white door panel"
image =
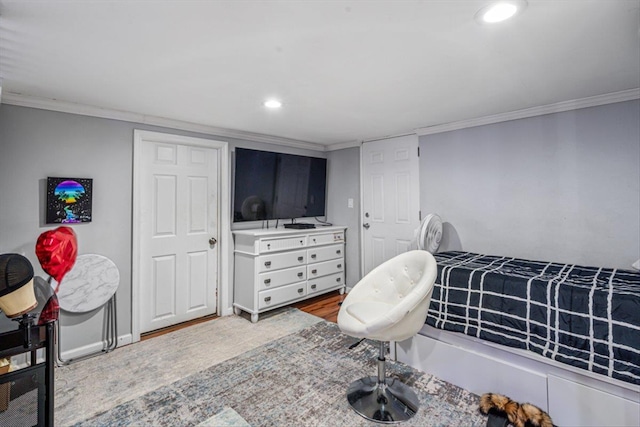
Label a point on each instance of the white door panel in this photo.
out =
(391, 194)
(377, 253)
(163, 294)
(198, 265)
(377, 198)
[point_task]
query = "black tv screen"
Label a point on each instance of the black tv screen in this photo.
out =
(272, 185)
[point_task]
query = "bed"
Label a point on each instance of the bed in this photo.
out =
(562, 336)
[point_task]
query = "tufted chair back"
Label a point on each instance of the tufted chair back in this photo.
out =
(391, 302)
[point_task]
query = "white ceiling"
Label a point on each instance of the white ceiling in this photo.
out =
(345, 70)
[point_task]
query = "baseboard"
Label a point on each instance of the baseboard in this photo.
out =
(125, 340)
(93, 348)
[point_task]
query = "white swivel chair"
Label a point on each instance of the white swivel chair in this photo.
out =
(388, 304)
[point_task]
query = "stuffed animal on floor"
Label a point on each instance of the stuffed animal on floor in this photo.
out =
(503, 411)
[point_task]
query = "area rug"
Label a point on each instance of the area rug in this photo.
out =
(297, 380)
(93, 386)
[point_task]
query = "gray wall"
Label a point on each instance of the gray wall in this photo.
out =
(344, 184)
(560, 187)
(37, 143)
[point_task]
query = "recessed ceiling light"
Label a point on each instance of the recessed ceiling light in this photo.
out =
(272, 103)
(499, 11)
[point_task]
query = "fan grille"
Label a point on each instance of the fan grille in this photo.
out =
(430, 233)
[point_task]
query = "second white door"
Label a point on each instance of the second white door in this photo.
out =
(391, 198)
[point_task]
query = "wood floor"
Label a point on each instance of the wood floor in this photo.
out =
(158, 332)
(325, 306)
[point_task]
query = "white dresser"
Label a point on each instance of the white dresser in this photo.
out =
(276, 267)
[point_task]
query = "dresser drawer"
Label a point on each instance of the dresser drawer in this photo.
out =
(325, 253)
(324, 268)
(273, 279)
(281, 295)
(270, 245)
(326, 238)
(324, 283)
(283, 260)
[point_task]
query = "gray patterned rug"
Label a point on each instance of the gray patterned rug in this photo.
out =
(93, 386)
(297, 380)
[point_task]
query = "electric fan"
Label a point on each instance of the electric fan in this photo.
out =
(429, 233)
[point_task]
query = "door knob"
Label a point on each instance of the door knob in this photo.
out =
(366, 225)
(212, 241)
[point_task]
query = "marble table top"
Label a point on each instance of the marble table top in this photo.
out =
(91, 282)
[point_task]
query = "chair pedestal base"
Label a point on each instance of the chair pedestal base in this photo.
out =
(387, 402)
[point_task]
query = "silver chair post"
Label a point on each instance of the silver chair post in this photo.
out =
(382, 363)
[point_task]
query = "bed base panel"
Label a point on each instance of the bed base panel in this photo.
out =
(572, 397)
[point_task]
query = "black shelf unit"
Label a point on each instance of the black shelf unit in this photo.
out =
(29, 338)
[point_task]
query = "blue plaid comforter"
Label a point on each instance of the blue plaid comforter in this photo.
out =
(587, 317)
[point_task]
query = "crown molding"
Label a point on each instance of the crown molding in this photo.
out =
(343, 145)
(358, 143)
(127, 116)
(593, 101)
(397, 135)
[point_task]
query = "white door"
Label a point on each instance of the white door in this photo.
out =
(390, 198)
(177, 216)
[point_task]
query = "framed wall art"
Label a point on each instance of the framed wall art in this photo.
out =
(69, 200)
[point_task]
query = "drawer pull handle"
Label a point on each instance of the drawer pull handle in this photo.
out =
(267, 281)
(300, 258)
(267, 299)
(301, 290)
(338, 251)
(300, 274)
(313, 286)
(314, 271)
(339, 279)
(268, 245)
(339, 265)
(313, 256)
(267, 264)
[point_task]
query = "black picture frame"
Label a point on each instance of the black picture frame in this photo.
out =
(69, 200)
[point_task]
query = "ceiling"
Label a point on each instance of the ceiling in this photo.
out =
(345, 70)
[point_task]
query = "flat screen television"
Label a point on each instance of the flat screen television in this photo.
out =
(270, 185)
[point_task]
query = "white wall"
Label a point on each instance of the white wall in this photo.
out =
(560, 187)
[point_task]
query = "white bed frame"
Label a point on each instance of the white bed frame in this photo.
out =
(571, 396)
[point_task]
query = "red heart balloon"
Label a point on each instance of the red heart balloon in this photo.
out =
(57, 250)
